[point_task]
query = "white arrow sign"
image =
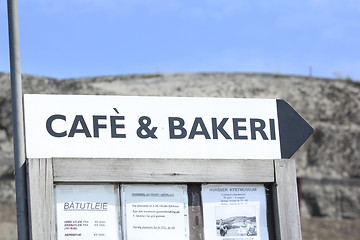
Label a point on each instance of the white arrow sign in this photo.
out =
(161, 127)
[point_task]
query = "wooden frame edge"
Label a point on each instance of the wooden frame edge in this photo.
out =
(285, 199)
(41, 199)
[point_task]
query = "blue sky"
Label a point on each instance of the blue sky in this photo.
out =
(79, 38)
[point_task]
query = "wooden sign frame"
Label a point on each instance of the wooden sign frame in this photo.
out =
(280, 174)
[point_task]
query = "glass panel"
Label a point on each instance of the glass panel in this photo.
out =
(87, 212)
(236, 212)
(155, 211)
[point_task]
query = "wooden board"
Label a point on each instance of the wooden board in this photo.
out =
(41, 199)
(286, 206)
(162, 170)
(195, 212)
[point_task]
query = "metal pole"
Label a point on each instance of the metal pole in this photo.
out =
(18, 122)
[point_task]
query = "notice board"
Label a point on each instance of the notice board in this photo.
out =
(178, 193)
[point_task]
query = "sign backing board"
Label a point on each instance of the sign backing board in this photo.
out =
(161, 127)
(159, 212)
(235, 212)
(87, 212)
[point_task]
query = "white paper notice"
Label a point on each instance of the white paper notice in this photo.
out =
(155, 212)
(87, 212)
(234, 212)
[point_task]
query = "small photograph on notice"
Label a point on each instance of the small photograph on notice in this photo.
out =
(236, 221)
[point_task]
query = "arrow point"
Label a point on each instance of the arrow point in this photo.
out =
(293, 129)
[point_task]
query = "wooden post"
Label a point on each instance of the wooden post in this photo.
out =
(41, 199)
(286, 206)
